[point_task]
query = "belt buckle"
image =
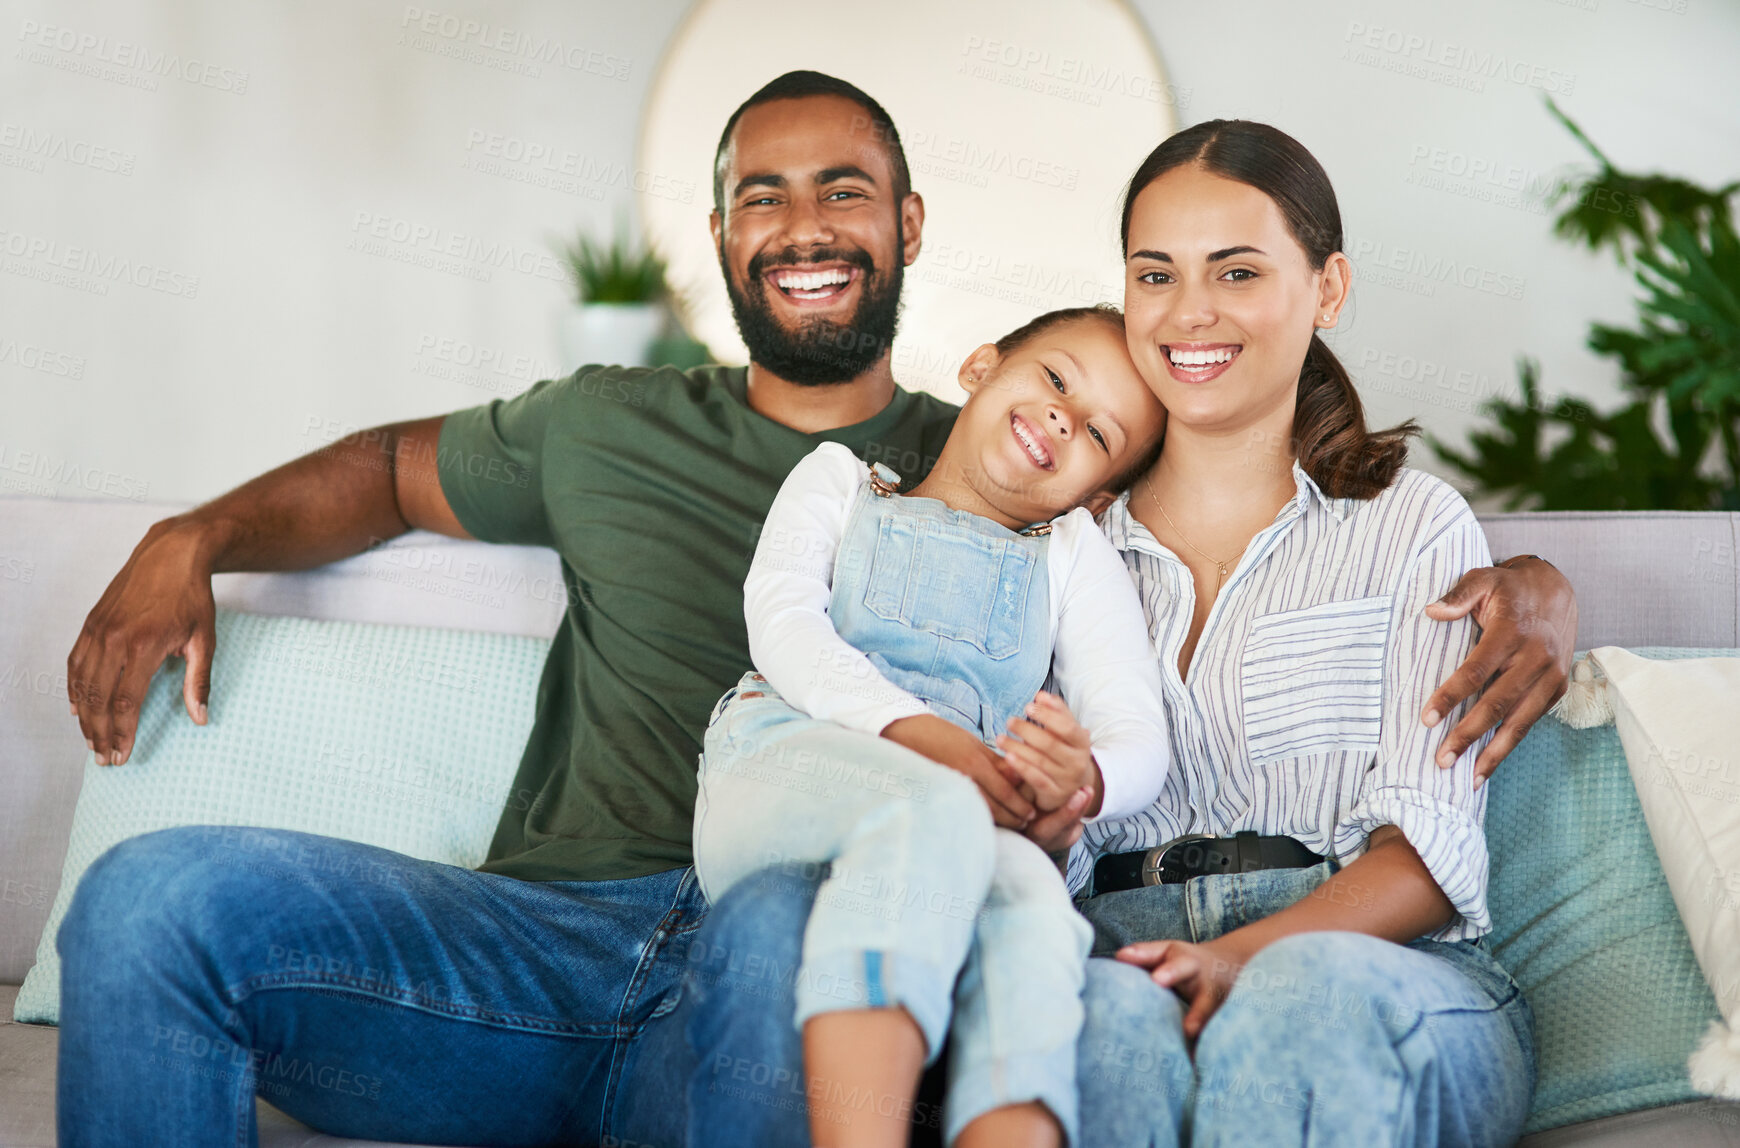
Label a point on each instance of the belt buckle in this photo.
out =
(1154, 865)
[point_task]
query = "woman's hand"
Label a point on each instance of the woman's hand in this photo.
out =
(1386, 892)
(1527, 614)
(1202, 974)
(948, 744)
(1052, 754)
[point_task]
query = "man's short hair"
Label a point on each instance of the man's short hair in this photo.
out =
(798, 85)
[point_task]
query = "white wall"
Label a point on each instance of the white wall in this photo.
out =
(220, 305)
(291, 332)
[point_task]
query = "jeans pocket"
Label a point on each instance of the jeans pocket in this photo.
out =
(1312, 679)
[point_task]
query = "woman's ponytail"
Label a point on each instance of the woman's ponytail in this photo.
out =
(1330, 438)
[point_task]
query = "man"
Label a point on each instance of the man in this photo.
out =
(536, 1000)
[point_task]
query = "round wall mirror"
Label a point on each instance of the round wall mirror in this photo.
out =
(1021, 121)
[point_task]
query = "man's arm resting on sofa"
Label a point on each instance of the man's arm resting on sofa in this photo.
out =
(327, 505)
(1521, 664)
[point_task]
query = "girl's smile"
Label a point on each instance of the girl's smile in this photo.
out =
(1035, 444)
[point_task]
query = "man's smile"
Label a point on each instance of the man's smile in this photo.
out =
(813, 283)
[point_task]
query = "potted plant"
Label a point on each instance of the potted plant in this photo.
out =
(619, 287)
(1675, 445)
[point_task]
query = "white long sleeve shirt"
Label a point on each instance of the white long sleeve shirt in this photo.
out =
(1101, 658)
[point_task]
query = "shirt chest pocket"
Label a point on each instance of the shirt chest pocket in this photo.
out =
(1313, 679)
(957, 585)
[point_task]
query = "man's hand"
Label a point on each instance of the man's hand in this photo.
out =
(1051, 752)
(335, 502)
(1202, 974)
(948, 744)
(1527, 614)
(159, 605)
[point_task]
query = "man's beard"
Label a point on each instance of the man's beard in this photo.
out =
(820, 352)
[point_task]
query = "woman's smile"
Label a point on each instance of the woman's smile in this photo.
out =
(1199, 362)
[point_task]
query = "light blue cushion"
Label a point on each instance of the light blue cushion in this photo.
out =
(1583, 919)
(402, 737)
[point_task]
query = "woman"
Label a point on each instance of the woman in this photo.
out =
(1340, 992)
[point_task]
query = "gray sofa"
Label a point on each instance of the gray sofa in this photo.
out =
(1662, 579)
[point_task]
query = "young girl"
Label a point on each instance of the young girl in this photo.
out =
(898, 637)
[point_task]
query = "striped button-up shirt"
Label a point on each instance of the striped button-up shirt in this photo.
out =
(1300, 714)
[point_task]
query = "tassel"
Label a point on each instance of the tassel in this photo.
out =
(1715, 1066)
(1585, 703)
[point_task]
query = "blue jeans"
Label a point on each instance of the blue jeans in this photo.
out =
(1329, 1037)
(367, 994)
(1326, 1037)
(924, 904)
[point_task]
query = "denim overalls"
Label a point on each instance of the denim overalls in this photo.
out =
(949, 606)
(956, 610)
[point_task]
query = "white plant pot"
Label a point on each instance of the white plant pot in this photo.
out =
(614, 334)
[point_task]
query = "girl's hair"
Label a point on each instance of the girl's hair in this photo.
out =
(1329, 433)
(1035, 327)
(1112, 317)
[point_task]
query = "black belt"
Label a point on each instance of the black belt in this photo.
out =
(1199, 855)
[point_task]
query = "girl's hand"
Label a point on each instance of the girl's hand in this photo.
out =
(1057, 831)
(1052, 753)
(948, 744)
(1200, 974)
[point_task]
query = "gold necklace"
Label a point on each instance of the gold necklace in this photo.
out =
(1219, 565)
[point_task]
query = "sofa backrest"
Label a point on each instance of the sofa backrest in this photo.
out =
(1642, 579)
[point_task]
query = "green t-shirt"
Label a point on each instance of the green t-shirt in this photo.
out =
(652, 486)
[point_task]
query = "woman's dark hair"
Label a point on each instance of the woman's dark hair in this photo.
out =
(1329, 433)
(1112, 317)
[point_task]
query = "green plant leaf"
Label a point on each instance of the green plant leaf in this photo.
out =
(616, 272)
(1679, 363)
(1622, 210)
